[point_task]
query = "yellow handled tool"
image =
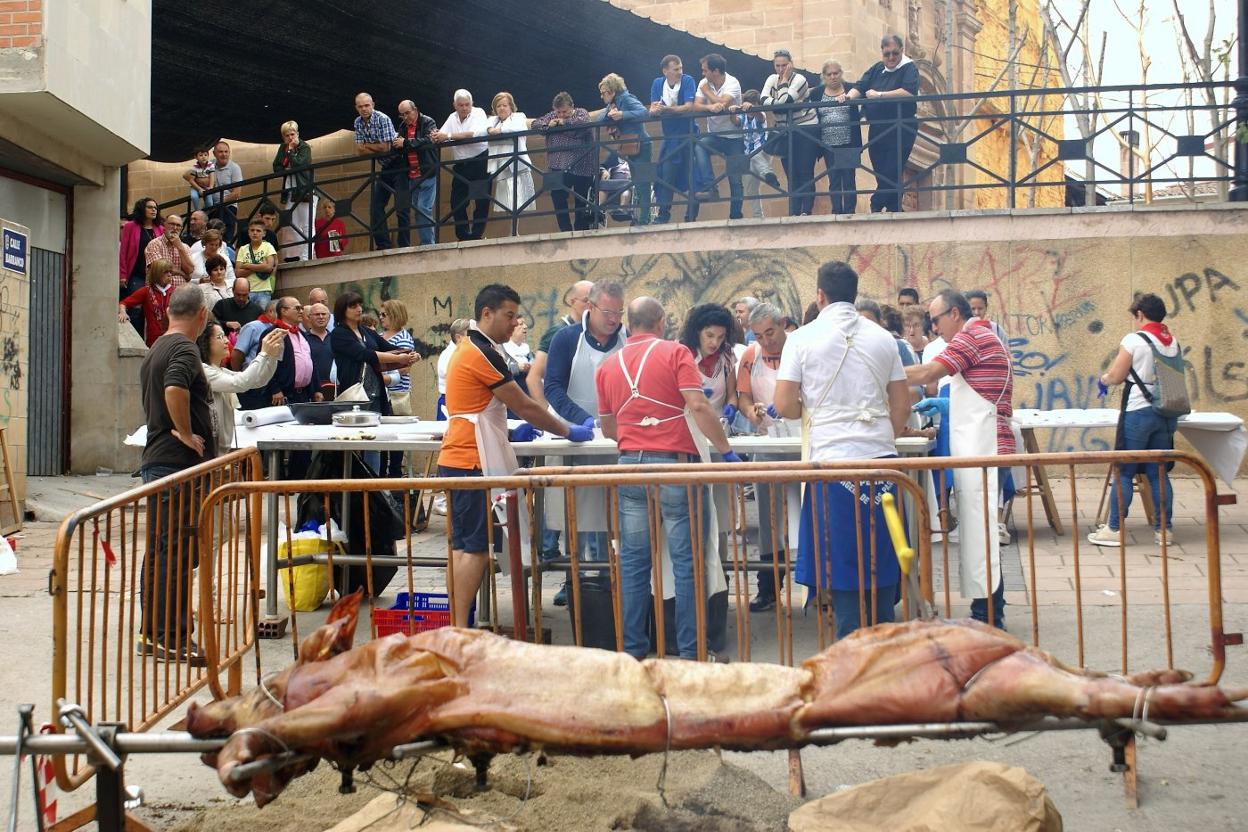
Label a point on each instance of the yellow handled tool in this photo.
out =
(918, 605)
(905, 555)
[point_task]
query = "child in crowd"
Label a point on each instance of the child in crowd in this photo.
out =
(754, 134)
(203, 177)
(331, 234)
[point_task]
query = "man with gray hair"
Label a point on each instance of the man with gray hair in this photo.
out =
(177, 403)
(741, 310)
(576, 352)
(374, 135)
(470, 175)
(756, 390)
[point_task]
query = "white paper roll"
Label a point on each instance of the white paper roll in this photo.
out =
(266, 416)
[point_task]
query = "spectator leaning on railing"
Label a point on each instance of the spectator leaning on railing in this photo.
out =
(799, 147)
(298, 193)
(227, 173)
(374, 135)
(839, 130)
(509, 159)
(671, 98)
(626, 112)
(470, 173)
(419, 188)
(719, 94)
(572, 161)
(889, 87)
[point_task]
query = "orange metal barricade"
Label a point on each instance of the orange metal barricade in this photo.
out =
(109, 607)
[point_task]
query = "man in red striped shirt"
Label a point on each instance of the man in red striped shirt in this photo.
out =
(979, 401)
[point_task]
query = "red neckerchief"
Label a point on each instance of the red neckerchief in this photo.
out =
(283, 325)
(1159, 331)
(266, 319)
(978, 322)
(286, 158)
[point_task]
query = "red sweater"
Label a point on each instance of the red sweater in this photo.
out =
(155, 311)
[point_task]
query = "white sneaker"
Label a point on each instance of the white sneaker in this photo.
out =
(1003, 534)
(1169, 537)
(439, 505)
(1105, 536)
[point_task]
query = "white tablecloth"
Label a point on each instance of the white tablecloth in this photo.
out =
(1219, 438)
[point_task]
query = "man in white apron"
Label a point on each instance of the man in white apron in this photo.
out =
(479, 389)
(649, 397)
(756, 396)
(980, 408)
(577, 301)
(574, 356)
(846, 373)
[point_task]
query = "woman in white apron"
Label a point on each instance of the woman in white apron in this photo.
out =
(509, 163)
(758, 406)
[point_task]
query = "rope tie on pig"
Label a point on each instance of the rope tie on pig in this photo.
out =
(667, 750)
(264, 688)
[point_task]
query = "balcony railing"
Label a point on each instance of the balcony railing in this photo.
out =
(1013, 149)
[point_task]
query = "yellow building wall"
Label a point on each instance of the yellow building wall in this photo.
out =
(1037, 68)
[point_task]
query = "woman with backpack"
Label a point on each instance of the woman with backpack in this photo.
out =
(1150, 362)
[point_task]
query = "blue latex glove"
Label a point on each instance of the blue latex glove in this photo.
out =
(731, 456)
(1102, 389)
(525, 433)
(930, 407)
(708, 392)
(580, 433)
(730, 412)
(590, 422)
(772, 412)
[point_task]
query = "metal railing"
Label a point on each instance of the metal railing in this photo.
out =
(952, 165)
(129, 585)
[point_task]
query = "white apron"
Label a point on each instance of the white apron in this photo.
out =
(763, 388)
(498, 460)
(717, 383)
(715, 581)
(591, 503)
(973, 432)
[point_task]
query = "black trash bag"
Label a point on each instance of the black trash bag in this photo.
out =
(597, 614)
(716, 625)
(385, 521)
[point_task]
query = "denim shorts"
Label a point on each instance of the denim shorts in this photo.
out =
(469, 511)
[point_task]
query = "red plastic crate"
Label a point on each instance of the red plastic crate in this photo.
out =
(409, 622)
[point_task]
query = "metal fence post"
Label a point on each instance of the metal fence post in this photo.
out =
(1239, 193)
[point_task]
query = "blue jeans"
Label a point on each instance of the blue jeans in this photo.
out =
(635, 557)
(675, 173)
(848, 615)
(1144, 430)
(423, 195)
(728, 147)
(262, 298)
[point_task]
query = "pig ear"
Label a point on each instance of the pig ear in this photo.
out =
(346, 613)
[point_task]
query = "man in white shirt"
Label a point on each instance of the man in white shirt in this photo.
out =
(720, 94)
(846, 373)
(470, 178)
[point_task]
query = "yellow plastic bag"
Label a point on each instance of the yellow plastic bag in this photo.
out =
(311, 580)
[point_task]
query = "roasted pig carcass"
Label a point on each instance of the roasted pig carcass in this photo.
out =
(485, 694)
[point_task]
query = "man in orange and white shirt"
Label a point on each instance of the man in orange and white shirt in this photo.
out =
(479, 390)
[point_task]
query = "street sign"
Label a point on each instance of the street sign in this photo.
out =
(14, 247)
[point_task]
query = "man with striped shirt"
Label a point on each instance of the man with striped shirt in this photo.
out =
(979, 410)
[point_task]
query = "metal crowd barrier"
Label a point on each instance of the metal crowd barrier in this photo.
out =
(944, 170)
(1135, 584)
(109, 605)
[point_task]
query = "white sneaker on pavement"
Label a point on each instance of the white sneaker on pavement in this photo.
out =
(1003, 534)
(1105, 536)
